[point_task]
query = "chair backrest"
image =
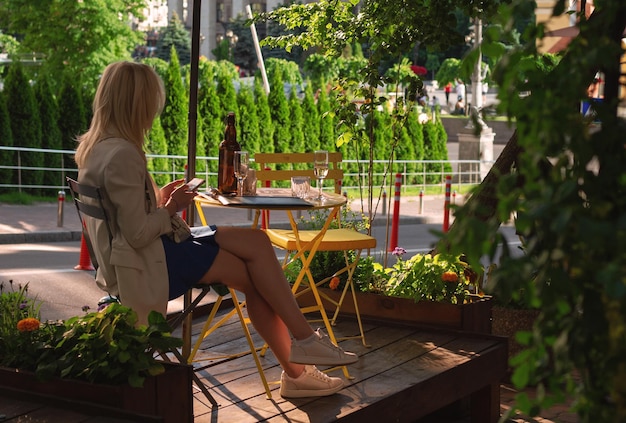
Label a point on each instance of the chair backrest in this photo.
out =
(280, 167)
(95, 210)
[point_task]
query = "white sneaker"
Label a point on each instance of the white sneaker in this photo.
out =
(311, 383)
(318, 349)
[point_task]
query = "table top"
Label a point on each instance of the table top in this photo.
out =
(274, 199)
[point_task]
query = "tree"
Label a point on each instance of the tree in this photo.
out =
(209, 111)
(295, 125)
(389, 28)
(320, 69)
(51, 135)
(72, 120)
(266, 127)
(225, 88)
(311, 124)
(568, 212)
(156, 144)
(175, 36)
(327, 127)
(289, 71)
(279, 111)
(243, 53)
(174, 115)
(80, 37)
(7, 140)
(25, 123)
(248, 125)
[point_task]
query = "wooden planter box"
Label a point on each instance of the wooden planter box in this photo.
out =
(472, 317)
(164, 398)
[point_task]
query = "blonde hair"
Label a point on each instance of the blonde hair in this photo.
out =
(129, 97)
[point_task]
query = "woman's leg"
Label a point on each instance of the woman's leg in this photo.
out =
(236, 272)
(262, 275)
(247, 262)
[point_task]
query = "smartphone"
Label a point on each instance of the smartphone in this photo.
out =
(194, 184)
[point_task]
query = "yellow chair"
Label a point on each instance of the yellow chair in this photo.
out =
(335, 239)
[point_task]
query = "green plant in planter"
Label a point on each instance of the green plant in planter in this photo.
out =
(20, 333)
(101, 347)
(326, 263)
(107, 346)
(424, 278)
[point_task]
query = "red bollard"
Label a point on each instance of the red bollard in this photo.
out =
(396, 214)
(446, 205)
(84, 261)
(421, 202)
(384, 203)
(265, 214)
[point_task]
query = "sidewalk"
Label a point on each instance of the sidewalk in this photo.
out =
(39, 222)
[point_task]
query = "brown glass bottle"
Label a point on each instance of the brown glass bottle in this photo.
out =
(226, 181)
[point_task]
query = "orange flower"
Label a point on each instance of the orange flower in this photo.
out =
(449, 277)
(28, 325)
(334, 283)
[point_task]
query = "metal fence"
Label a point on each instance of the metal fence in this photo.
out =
(421, 174)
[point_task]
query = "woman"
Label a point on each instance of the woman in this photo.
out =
(145, 268)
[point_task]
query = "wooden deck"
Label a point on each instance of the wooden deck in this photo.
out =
(405, 374)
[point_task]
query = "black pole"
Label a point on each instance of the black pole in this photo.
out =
(193, 99)
(191, 150)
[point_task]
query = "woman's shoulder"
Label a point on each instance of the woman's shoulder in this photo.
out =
(118, 147)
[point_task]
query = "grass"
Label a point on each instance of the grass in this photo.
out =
(414, 191)
(24, 199)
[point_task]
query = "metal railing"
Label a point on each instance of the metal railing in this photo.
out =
(420, 174)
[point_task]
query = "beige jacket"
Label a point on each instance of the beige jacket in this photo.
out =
(133, 264)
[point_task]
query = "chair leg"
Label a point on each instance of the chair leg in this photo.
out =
(350, 268)
(210, 326)
(201, 385)
(244, 325)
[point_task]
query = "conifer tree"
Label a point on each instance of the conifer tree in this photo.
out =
(311, 121)
(433, 170)
(156, 144)
(174, 116)
(72, 121)
(416, 137)
(266, 127)
(210, 112)
(248, 125)
(383, 137)
(226, 90)
(25, 124)
(405, 150)
(7, 140)
(279, 110)
(295, 125)
(327, 129)
(51, 135)
(174, 36)
(442, 143)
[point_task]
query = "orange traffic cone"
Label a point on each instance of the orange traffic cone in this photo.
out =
(84, 261)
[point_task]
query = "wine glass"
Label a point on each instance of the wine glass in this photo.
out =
(241, 164)
(320, 168)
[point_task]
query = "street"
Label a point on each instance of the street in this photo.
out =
(48, 268)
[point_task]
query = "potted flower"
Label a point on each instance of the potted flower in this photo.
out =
(425, 289)
(102, 358)
(424, 277)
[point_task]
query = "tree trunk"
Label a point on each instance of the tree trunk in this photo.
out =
(483, 203)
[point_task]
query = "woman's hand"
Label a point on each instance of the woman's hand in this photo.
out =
(179, 199)
(166, 191)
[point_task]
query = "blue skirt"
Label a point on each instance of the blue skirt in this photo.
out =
(188, 261)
